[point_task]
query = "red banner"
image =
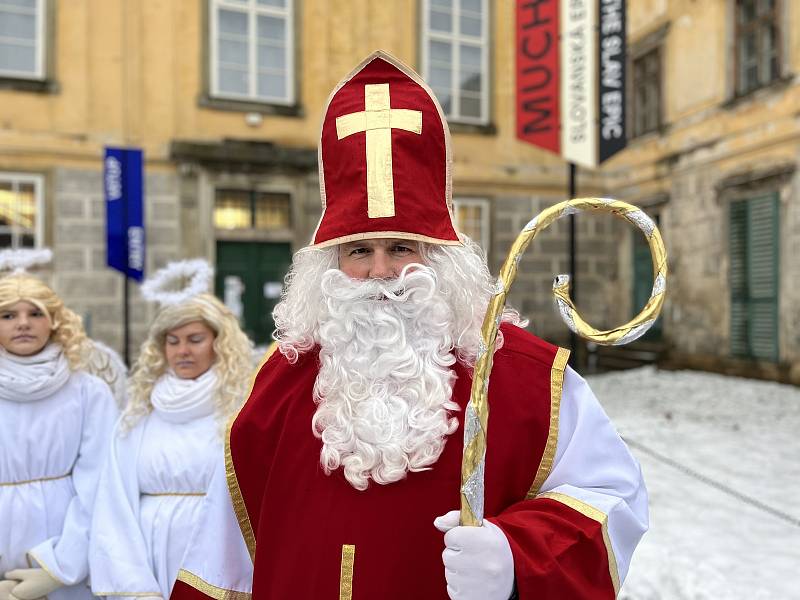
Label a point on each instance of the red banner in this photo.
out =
(538, 113)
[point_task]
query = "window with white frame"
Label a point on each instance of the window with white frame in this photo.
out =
(22, 38)
(21, 208)
(472, 219)
(455, 51)
(252, 50)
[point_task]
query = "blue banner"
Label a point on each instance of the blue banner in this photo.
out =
(123, 184)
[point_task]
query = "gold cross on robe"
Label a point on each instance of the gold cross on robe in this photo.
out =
(377, 120)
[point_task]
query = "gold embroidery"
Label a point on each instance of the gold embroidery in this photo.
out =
(556, 389)
(27, 481)
(209, 590)
(346, 575)
(230, 471)
(596, 515)
(377, 121)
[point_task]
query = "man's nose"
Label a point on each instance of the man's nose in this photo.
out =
(382, 266)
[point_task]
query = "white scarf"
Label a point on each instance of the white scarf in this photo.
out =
(31, 378)
(180, 400)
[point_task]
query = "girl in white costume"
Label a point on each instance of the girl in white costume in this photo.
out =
(56, 423)
(191, 376)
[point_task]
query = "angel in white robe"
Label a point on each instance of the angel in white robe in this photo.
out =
(56, 423)
(191, 376)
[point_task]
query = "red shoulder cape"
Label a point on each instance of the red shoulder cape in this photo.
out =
(297, 520)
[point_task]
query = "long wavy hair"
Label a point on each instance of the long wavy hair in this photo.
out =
(232, 348)
(463, 279)
(65, 326)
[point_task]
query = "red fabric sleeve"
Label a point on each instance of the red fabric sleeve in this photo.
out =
(183, 591)
(559, 553)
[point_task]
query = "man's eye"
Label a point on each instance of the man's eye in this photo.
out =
(403, 249)
(356, 251)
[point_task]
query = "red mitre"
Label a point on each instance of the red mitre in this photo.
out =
(384, 159)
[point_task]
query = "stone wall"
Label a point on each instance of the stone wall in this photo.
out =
(78, 240)
(548, 255)
(695, 227)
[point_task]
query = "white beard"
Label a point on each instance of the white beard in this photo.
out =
(385, 385)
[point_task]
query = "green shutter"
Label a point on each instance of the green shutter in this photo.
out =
(738, 278)
(754, 277)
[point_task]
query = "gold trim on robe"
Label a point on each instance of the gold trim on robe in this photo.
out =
(556, 389)
(230, 471)
(346, 573)
(209, 590)
(595, 514)
(31, 557)
(39, 480)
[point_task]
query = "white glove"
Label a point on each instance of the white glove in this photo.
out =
(478, 563)
(6, 585)
(33, 583)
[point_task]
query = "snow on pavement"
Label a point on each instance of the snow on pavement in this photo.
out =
(732, 433)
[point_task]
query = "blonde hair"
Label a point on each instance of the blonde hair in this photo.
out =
(65, 326)
(232, 348)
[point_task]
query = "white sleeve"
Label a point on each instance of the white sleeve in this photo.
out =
(217, 559)
(64, 556)
(118, 556)
(594, 467)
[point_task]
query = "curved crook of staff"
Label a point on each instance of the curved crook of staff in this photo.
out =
(477, 412)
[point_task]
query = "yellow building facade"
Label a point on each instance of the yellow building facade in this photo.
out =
(715, 159)
(225, 98)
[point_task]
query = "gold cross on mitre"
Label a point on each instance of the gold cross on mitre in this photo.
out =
(377, 120)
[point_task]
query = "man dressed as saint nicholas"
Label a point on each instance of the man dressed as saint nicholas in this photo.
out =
(342, 472)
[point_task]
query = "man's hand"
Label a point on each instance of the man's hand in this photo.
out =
(478, 563)
(31, 584)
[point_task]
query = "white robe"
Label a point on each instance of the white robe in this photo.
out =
(149, 499)
(51, 454)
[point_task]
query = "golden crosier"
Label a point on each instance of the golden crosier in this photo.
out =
(477, 412)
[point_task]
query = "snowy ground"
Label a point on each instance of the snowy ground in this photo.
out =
(695, 433)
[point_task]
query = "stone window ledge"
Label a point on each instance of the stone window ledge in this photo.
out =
(775, 86)
(474, 128)
(248, 106)
(37, 86)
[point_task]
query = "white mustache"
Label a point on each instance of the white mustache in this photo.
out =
(414, 279)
